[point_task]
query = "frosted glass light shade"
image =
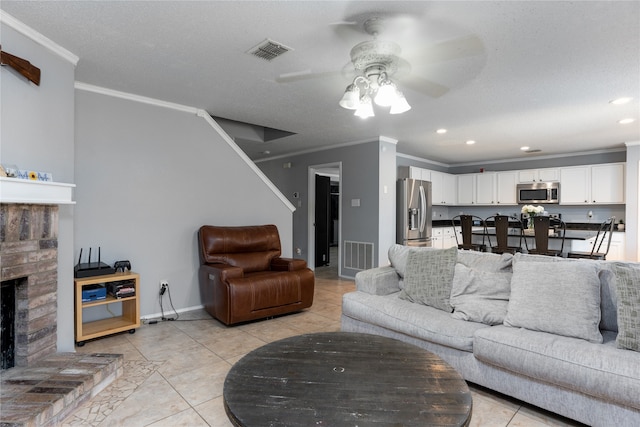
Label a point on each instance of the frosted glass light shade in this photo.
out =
(351, 98)
(400, 105)
(387, 95)
(365, 108)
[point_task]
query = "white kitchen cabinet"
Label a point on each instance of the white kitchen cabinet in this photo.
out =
(596, 184)
(436, 237)
(538, 175)
(419, 173)
(616, 250)
(444, 237)
(443, 188)
(607, 183)
(486, 188)
(466, 189)
(506, 188)
(443, 185)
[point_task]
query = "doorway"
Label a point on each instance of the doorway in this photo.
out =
(324, 216)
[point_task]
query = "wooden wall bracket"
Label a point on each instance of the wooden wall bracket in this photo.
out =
(22, 66)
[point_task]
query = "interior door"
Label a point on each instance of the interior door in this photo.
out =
(322, 219)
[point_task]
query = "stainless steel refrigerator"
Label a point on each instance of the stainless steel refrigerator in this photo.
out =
(413, 212)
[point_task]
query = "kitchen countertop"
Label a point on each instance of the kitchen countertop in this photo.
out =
(571, 226)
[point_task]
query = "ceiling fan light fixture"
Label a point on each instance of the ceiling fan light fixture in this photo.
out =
(387, 93)
(351, 98)
(365, 108)
(400, 105)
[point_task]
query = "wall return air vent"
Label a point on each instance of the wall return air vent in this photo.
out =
(268, 50)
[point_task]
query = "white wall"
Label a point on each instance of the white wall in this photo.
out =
(632, 197)
(37, 133)
(387, 194)
(148, 177)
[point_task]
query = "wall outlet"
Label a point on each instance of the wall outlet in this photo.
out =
(164, 285)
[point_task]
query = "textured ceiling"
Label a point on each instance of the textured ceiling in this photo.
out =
(543, 78)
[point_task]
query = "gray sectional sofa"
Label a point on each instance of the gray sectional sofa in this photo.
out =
(559, 334)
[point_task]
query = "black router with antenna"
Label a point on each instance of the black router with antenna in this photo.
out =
(90, 269)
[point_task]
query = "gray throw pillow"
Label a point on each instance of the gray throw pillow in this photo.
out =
(480, 296)
(561, 298)
(486, 261)
(628, 292)
(428, 277)
(398, 256)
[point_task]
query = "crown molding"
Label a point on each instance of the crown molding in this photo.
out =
(136, 98)
(43, 41)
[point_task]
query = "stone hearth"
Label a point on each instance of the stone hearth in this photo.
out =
(29, 253)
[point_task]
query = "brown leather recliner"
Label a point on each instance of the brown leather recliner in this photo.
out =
(243, 277)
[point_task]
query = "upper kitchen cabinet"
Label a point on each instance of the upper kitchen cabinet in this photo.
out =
(538, 175)
(596, 184)
(419, 173)
(467, 189)
(443, 188)
(506, 188)
(443, 185)
(486, 188)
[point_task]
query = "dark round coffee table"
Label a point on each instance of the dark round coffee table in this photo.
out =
(344, 379)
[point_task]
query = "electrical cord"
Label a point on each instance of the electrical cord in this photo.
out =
(172, 307)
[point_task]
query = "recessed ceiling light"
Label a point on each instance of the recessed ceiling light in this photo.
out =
(620, 101)
(470, 142)
(525, 148)
(441, 131)
(626, 121)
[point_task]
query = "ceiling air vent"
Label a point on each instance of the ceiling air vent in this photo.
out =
(268, 50)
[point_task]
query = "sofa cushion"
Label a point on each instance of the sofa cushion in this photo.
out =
(486, 261)
(628, 292)
(414, 320)
(480, 296)
(599, 370)
(429, 276)
(556, 297)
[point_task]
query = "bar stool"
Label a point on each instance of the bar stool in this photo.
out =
(466, 223)
(606, 228)
(502, 224)
(541, 226)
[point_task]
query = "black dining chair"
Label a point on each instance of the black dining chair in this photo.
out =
(502, 223)
(541, 227)
(605, 232)
(466, 223)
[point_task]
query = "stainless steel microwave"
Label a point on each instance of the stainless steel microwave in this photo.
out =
(538, 192)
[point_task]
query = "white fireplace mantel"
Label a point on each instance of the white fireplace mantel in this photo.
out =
(14, 190)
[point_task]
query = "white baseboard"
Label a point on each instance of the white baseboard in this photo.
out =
(170, 312)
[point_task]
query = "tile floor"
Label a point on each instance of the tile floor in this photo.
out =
(174, 371)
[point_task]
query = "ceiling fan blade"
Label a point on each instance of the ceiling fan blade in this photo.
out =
(304, 75)
(461, 47)
(427, 87)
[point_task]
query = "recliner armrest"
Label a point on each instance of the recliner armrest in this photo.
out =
(222, 271)
(288, 264)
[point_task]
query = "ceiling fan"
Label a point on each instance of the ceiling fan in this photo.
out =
(376, 60)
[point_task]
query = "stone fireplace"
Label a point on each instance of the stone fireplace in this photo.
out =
(29, 261)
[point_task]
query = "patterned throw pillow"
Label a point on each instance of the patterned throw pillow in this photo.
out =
(429, 277)
(628, 290)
